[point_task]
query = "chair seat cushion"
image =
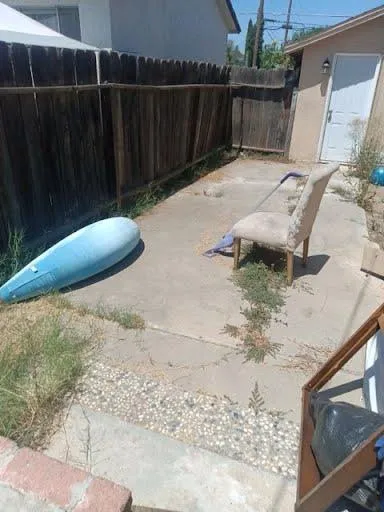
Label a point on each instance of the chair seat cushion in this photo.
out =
(265, 228)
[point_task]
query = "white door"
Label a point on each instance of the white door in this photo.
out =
(353, 81)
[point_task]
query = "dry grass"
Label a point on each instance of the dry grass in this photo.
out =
(214, 177)
(16, 256)
(44, 349)
(41, 362)
(367, 153)
(122, 316)
(309, 359)
(265, 156)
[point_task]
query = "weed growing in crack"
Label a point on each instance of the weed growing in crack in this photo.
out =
(256, 401)
(263, 289)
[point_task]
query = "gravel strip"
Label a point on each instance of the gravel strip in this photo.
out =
(265, 440)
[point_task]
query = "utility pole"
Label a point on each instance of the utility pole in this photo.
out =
(288, 25)
(259, 33)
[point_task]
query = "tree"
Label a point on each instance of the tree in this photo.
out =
(303, 33)
(234, 55)
(273, 57)
(249, 43)
(259, 39)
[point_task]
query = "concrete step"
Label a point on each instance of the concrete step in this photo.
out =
(165, 473)
(253, 435)
(30, 482)
(148, 509)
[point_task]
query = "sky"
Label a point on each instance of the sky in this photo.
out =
(327, 13)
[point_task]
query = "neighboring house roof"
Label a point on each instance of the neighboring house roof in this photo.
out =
(227, 9)
(15, 27)
(353, 22)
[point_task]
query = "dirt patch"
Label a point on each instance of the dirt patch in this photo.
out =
(266, 157)
(214, 177)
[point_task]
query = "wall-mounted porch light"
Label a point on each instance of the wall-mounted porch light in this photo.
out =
(326, 67)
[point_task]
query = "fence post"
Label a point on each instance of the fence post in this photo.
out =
(241, 123)
(118, 140)
(290, 123)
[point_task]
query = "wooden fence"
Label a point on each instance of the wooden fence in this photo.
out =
(77, 130)
(69, 143)
(262, 115)
(158, 130)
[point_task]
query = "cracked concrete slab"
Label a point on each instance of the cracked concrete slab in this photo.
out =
(186, 298)
(165, 473)
(203, 367)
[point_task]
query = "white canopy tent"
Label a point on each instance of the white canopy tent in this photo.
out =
(15, 27)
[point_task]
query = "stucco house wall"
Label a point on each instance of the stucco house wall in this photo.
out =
(311, 100)
(168, 29)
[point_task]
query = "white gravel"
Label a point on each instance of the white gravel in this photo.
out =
(264, 439)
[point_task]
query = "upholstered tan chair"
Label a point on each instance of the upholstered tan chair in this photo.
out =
(285, 232)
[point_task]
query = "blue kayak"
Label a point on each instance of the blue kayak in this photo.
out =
(79, 256)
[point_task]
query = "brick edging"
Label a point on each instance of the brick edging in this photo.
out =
(63, 485)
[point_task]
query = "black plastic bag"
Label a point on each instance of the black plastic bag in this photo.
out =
(340, 428)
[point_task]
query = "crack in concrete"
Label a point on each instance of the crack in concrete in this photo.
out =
(78, 491)
(157, 328)
(88, 443)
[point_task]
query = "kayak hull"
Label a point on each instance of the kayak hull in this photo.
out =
(77, 257)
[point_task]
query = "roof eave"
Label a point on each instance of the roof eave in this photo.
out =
(336, 29)
(236, 25)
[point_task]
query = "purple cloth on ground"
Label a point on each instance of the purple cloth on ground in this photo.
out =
(226, 241)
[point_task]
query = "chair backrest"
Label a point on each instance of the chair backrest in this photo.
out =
(306, 210)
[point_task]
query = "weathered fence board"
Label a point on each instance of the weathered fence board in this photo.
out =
(52, 166)
(127, 69)
(119, 68)
(162, 131)
(261, 109)
(261, 77)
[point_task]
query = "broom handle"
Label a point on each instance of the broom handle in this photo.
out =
(290, 174)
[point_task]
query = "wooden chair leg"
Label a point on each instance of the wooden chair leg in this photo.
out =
(236, 252)
(305, 251)
(290, 267)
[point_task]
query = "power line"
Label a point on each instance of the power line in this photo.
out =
(308, 24)
(299, 14)
(269, 32)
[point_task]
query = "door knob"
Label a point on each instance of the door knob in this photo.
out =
(330, 115)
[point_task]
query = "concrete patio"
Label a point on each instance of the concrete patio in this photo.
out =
(187, 299)
(166, 411)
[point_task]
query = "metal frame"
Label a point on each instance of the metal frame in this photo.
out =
(316, 494)
(329, 94)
